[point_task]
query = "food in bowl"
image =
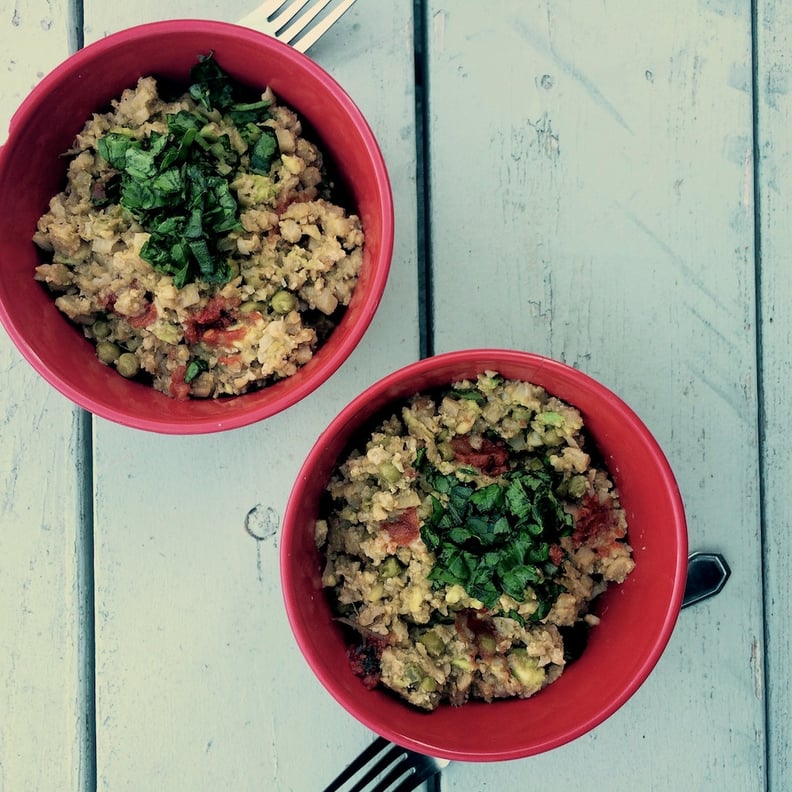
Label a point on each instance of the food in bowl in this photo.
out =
(197, 243)
(32, 171)
(465, 540)
(637, 616)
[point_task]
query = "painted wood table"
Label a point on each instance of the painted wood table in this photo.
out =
(606, 183)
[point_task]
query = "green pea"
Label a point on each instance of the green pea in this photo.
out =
(390, 568)
(101, 329)
(127, 365)
(107, 351)
(282, 302)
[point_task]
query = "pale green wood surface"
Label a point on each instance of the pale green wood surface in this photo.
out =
(42, 701)
(592, 200)
(774, 146)
(591, 196)
(200, 685)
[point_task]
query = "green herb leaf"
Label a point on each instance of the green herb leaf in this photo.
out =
(175, 184)
(243, 114)
(264, 152)
(113, 148)
(211, 86)
(496, 539)
(470, 395)
(194, 368)
(488, 498)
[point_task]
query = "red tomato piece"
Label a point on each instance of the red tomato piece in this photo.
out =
(492, 458)
(403, 528)
(149, 316)
(223, 338)
(178, 388)
(598, 525)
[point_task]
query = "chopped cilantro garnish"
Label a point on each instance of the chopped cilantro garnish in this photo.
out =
(264, 150)
(177, 184)
(194, 368)
(496, 539)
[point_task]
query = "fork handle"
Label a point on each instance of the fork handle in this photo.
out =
(706, 575)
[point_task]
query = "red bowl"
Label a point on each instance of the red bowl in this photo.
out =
(32, 170)
(637, 617)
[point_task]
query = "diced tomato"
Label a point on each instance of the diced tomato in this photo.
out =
(178, 388)
(556, 554)
(217, 314)
(597, 524)
(492, 458)
(365, 658)
(223, 338)
(146, 318)
(403, 528)
(214, 309)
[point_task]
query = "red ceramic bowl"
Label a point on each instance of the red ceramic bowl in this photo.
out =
(637, 617)
(32, 170)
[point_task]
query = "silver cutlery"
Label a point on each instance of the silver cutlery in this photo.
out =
(299, 23)
(384, 766)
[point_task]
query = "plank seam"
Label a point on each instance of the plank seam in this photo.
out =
(86, 650)
(76, 13)
(760, 390)
(423, 182)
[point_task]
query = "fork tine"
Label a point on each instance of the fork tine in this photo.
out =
(423, 773)
(259, 17)
(269, 7)
(312, 35)
(282, 18)
(304, 20)
(358, 764)
(394, 774)
(394, 753)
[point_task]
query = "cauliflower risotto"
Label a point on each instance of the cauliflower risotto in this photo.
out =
(466, 540)
(196, 242)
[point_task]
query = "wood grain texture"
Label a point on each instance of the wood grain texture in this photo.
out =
(774, 145)
(591, 178)
(592, 199)
(199, 682)
(42, 704)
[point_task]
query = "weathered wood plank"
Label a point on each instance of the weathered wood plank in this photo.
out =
(42, 688)
(199, 682)
(774, 146)
(592, 200)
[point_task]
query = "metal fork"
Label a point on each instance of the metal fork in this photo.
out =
(389, 768)
(283, 19)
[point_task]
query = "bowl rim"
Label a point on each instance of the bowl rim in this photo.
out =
(377, 390)
(324, 366)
